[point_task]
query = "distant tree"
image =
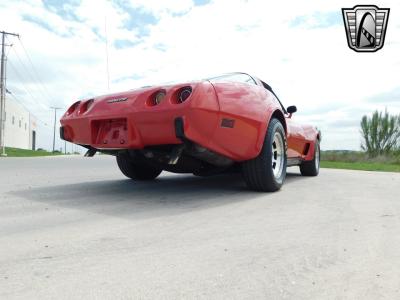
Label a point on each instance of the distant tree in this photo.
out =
(380, 133)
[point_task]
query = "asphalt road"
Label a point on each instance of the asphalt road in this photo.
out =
(73, 227)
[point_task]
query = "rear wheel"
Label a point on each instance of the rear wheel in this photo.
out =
(267, 171)
(136, 171)
(311, 168)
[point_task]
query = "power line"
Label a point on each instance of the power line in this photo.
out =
(24, 87)
(33, 67)
(29, 73)
(23, 105)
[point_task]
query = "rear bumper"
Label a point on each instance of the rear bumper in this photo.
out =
(132, 132)
(131, 124)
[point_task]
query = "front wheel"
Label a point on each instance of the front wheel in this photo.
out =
(136, 171)
(267, 171)
(311, 168)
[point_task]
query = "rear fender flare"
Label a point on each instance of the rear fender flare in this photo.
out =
(272, 113)
(316, 139)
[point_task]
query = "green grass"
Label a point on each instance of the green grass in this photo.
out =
(364, 166)
(356, 160)
(15, 152)
(351, 160)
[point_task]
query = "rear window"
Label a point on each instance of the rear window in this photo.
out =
(235, 77)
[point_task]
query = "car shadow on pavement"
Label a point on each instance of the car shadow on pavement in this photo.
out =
(167, 194)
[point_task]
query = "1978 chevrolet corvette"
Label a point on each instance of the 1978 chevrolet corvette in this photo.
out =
(221, 124)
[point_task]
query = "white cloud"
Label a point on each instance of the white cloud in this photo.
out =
(161, 7)
(287, 43)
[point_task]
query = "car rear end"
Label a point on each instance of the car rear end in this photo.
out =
(145, 117)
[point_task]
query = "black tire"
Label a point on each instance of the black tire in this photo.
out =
(136, 171)
(311, 168)
(259, 172)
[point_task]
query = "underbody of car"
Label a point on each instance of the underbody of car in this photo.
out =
(221, 124)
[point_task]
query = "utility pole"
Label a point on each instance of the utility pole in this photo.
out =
(55, 120)
(3, 90)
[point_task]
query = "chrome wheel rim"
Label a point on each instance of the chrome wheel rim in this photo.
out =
(317, 157)
(278, 155)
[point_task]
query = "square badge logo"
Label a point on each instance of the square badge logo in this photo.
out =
(365, 27)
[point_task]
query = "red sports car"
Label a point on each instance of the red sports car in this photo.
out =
(221, 124)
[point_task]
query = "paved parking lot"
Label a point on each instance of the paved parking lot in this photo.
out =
(73, 227)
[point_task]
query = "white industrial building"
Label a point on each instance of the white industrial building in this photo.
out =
(20, 126)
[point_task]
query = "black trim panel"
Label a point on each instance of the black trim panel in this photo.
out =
(62, 133)
(179, 129)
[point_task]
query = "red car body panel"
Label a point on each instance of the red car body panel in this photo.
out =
(129, 120)
(250, 107)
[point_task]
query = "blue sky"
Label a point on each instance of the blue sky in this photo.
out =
(299, 47)
(317, 20)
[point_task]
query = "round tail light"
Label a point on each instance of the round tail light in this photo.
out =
(156, 98)
(159, 97)
(86, 106)
(89, 104)
(73, 108)
(184, 93)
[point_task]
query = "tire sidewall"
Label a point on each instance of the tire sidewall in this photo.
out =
(276, 127)
(136, 171)
(317, 149)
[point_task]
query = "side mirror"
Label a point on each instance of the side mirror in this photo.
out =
(291, 109)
